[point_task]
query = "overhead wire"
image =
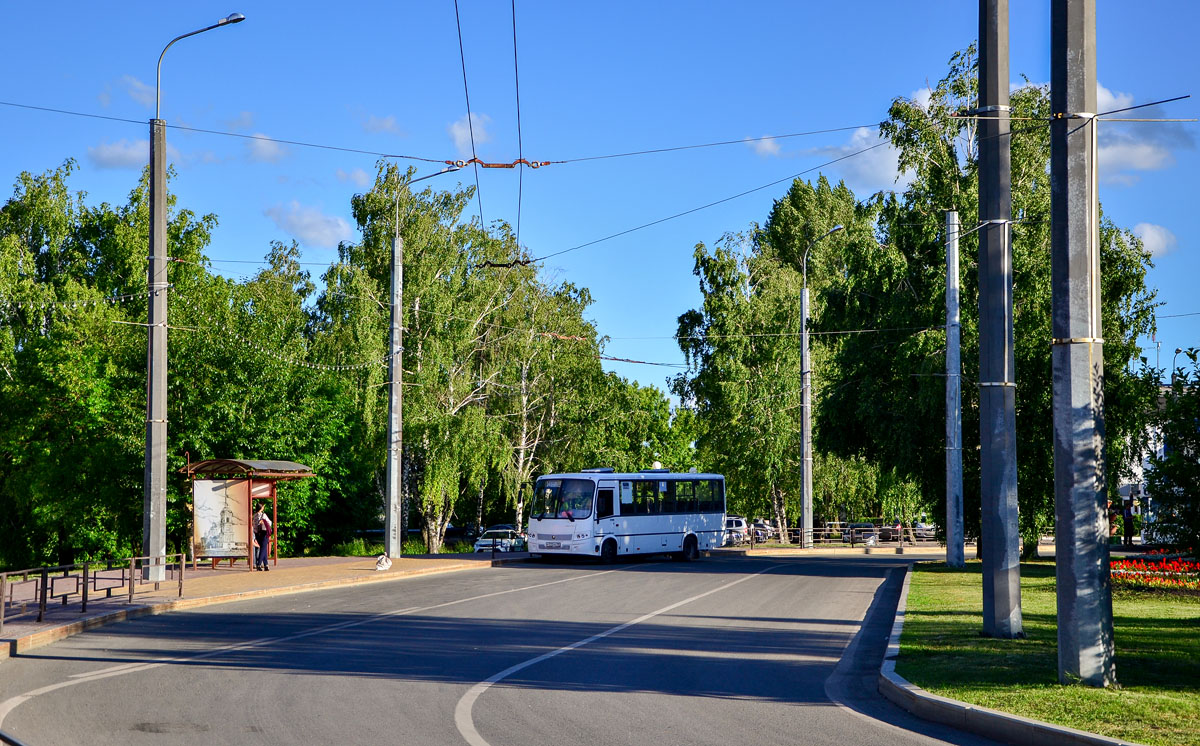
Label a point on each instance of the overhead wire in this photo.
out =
(742, 141)
(520, 141)
(462, 55)
(537, 164)
(710, 204)
(182, 128)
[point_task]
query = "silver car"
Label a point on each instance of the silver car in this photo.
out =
(501, 540)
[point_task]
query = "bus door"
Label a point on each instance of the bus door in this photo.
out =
(606, 509)
(606, 506)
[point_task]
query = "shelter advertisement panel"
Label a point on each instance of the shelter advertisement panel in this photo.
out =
(221, 522)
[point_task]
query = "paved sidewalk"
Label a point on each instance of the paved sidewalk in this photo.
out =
(205, 586)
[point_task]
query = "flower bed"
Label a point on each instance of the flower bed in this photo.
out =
(1165, 571)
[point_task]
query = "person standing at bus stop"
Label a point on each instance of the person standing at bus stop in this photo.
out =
(262, 538)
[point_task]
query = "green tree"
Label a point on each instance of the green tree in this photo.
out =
(885, 396)
(744, 380)
(1173, 479)
(72, 400)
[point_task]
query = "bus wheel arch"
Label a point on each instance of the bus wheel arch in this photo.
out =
(608, 551)
(691, 548)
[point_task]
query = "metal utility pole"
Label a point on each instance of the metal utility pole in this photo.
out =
(393, 528)
(154, 507)
(1085, 626)
(806, 496)
(954, 473)
(997, 378)
(393, 517)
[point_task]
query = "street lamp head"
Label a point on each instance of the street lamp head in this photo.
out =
(1178, 350)
(835, 229)
(231, 18)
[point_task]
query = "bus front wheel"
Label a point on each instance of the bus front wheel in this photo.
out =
(691, 551)
(608, 552)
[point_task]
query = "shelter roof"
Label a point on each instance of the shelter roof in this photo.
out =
(251, 468)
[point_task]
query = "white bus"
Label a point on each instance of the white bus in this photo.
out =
(599, 513)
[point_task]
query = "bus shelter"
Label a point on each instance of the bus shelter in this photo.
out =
(224, 493)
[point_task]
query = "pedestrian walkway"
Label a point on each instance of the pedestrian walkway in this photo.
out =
(206, 585)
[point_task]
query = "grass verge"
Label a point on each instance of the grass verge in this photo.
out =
(1157, 640)
(357, 548)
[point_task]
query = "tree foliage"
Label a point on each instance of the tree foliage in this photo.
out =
(1173, 479)
(886, 397)
(877, 323)
(502, 375)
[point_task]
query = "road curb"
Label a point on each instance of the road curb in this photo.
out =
(54, 634)
(1000, 726)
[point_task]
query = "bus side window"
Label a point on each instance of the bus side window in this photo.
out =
(604, 504)
(666, 497)
(704, 503)
(685, 498)
(644, 498)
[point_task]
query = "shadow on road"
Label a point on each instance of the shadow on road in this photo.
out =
(783, 659)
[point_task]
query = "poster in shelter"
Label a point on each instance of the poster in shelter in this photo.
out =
(222, 517)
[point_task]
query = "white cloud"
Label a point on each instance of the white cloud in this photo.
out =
(137, 90)
(1107, 100)
(127, 154)
(1126, 153)
(1126, 149)
(1157, 239)
(460, 131)
(921, 97)
(309, 225)
(261, 149)
(865, 172)
(381, 124)
(123, 154)
(357, 176)
(765, 148)
(243, 121)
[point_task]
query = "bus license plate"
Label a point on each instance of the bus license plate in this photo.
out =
(552, 545)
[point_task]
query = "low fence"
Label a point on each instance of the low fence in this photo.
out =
(10, 740)
(841, 535)
(24, 592)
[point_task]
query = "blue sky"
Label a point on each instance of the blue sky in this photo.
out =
(595, 79)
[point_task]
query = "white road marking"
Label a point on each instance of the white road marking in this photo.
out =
(465, 722)
(10, 704)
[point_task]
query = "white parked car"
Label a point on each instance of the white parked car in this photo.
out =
(502, 540)
(736, 530)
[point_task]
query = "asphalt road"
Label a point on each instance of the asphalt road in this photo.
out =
(720, 651)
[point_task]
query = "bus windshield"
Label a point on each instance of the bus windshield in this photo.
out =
(564, 498)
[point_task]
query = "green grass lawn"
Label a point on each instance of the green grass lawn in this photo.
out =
(1157, 645)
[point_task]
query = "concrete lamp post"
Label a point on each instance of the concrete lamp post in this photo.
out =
(393, 511)
(154, 513)
(806, 499)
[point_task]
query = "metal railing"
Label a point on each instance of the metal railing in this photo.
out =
(10, 740)
(840, 534)
(22, 592)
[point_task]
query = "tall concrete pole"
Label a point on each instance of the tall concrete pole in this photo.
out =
(154, 508)
(393, 529)
(997, 379)
(954, 474)
(806, 495)
(393, 511)
(806, 506)
(1085, 628)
